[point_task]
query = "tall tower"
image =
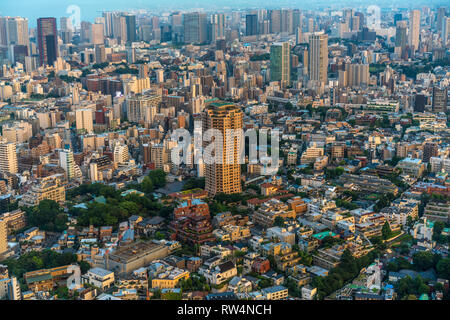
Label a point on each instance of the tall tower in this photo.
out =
(414, 29)
(67, 163)
(47, 39)
(251, 24)
(318, 57)
(8, 158)
(224, 177)
(3, 238)
(280, 63)
(195, 27)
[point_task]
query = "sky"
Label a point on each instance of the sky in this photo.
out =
(89, 9)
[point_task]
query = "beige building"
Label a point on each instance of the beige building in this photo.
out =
(8, 158)
(318, 57)
(49, 188)
(226, 176)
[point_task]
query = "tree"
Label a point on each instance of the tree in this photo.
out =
(147, 185)
(158, 178)
(386, 231)
(48, 216)
(423, 260)
(279, 222)
(443, 268)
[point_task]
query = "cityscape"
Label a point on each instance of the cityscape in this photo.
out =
(235, 150)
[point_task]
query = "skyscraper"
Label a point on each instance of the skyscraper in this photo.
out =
(8, 158)
(280, 63)
(226, 176)
(67, 163)
(195, 27)
(414, 29)
(445, 31)
(318, 57)
(251, 24)
(3, 238)
(47, 39)
(17, 31)
(275, 21)
(216, 27)
(130, 21)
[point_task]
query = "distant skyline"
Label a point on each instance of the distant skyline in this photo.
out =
(33, 9)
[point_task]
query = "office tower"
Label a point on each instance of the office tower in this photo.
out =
(100, 53)
(108, 16)
(8, 158)
(298, 35)
(310, 25)
(430, 149)
(445, 31)
(3, 34)
(67, 162)
(440, 97)
(84, 120)
(142, 108)
(226, 176)
(296, 19)
(287, 21)
(85, 31)
(66, 29)
(318, 57)
(251, 24)
(280, 63)
(275, 21)
(130, 22)
(17, 31)
(119, 27)
(440, 16)
(414, 29)
(3, 238)
(47, 39)
(400, 34)
(97, 34)
(216, 27)
(195, 27)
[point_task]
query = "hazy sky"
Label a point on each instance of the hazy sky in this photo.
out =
(33, 9)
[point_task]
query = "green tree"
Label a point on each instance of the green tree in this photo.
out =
(386, 231)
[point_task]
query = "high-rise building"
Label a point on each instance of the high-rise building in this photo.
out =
(84, 120)
(251, 24)
(280, 63)
(400, 34)
(67, 162)
(216, 27)
(440, 98)
(97, 34)
(8, 158)
(3, 238)
(195, 27)
(100, 53)
(225, 176)
(275, 21)
(445, 31)
(298, 35)
(47, 39)
(17, 31)
(130, 22)
(430, 149)
(318, 57)
(414, 29)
